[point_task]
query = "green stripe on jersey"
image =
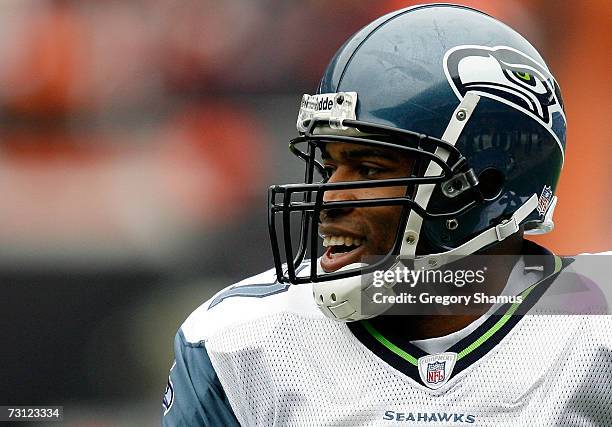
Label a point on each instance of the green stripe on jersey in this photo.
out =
(392, 347)
(502, 321)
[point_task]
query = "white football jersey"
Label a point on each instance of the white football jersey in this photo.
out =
(261, 353)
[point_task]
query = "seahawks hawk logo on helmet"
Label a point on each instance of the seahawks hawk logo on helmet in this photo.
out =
(511, 77)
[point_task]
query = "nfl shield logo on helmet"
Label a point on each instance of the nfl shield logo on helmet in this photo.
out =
(436, 369)
(545, 199)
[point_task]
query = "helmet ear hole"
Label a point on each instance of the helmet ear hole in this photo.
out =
(491, 183)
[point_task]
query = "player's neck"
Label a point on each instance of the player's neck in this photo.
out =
(421, 327)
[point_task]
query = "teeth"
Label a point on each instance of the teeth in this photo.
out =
(341, 240)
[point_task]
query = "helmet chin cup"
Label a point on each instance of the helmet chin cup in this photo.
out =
(351, 299)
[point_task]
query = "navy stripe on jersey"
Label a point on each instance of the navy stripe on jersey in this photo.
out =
(257, 290)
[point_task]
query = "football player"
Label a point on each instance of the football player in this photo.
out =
(436, 133)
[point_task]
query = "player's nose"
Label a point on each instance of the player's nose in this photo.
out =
(337, 196)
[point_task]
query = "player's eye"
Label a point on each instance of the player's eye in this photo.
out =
(369, 171)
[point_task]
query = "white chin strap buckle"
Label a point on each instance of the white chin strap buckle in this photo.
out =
(506, 229)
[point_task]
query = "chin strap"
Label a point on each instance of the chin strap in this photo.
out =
(491, 235)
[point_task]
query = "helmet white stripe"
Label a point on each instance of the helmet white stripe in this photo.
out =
(460, 117)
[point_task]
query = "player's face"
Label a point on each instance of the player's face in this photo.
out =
(350, 234)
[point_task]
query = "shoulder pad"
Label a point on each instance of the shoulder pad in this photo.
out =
(248, 300)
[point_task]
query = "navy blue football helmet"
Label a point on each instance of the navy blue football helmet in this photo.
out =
(463, 93)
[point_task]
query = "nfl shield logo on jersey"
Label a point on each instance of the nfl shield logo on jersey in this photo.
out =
(436, 369)
(435, 372)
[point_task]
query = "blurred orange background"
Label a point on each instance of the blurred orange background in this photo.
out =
(137, 141)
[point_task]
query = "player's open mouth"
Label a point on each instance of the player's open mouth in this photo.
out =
(341, 251)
